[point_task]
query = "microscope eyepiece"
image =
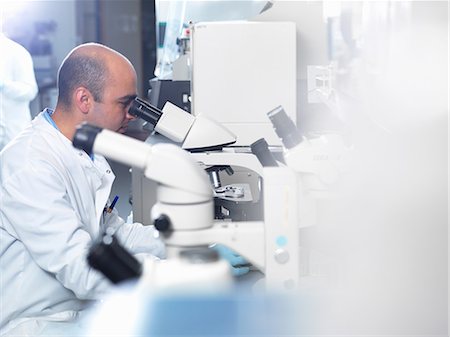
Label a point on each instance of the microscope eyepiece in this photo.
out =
(146, 111)
(260, 149)
(110, 258)
(284, 127)
(84, 137)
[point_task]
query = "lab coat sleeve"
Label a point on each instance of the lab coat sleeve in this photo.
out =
(137, 238)
(41, 216)
(23, 86)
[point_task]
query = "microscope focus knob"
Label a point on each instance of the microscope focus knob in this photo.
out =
(162, 223)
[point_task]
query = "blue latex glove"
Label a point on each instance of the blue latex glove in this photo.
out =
(239, 265)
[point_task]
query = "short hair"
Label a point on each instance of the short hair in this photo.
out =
(81, 70)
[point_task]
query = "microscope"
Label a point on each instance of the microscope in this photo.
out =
(237, 194)
(320, 163)
(184, 211)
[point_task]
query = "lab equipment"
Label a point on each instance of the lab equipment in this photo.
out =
(319, 161)
(173, 68)
(236, 78)
(194, 133)
(174, 16)
(177, 92)
(109, 257)
(251, 79)
(181, 197)
(284, 127)
(235, 175)
(184, 211)
(236, 179)
(260, 149)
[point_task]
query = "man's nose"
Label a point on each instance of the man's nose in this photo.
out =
(130, 116)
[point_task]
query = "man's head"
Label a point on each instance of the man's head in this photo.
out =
(96, 84)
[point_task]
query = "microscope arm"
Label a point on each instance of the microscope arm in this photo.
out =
(167, 164)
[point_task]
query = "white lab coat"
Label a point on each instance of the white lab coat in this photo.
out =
(17, 88)
(51, 208)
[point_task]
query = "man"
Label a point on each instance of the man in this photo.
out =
(52, 197)
(17, 88)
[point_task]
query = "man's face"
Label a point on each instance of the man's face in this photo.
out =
(120, 90)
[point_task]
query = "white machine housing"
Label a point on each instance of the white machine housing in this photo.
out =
(240, 71)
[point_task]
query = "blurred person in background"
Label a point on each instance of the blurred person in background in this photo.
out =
(18, 88)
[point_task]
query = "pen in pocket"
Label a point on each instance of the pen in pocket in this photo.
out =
(111, 207)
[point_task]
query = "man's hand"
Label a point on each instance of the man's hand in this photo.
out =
(239, 265)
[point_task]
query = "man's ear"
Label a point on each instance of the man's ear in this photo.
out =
(83, 99)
